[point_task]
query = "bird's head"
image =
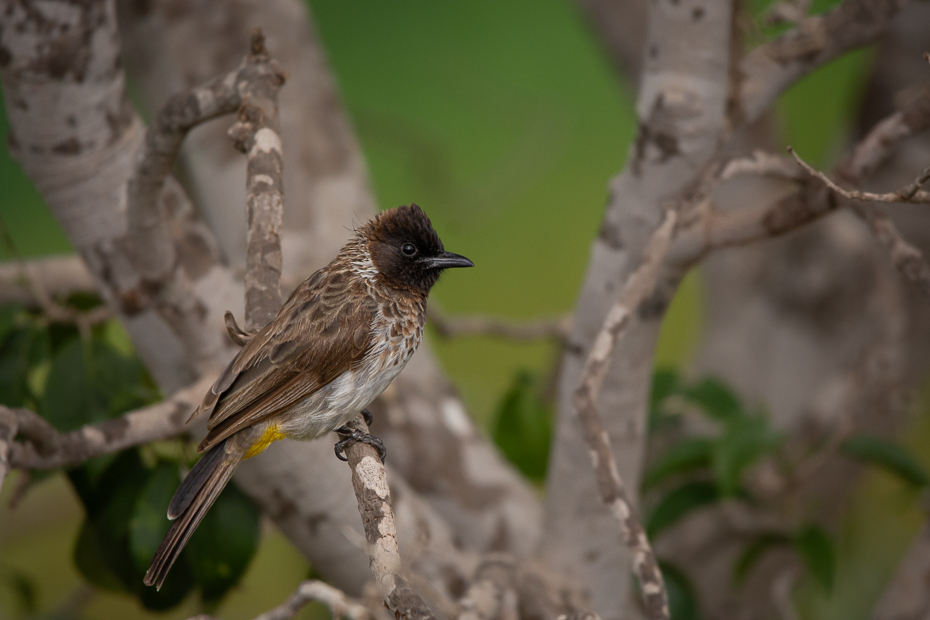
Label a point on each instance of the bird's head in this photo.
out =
(406, 251)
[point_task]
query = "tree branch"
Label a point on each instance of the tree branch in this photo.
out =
(43, 447)
(909, 193)
(768, 70)
(636, 290)
(150, 240)
(257, 133)
(369, 480)
(58, 276)
(907, 258)
(311, 590)
(9, 426)
(456, 327)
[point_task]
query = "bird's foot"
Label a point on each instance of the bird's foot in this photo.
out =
(368, 417)
(351, 436)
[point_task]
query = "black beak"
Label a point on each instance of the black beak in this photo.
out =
(447, 260)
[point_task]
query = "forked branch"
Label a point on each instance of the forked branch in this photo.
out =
(42, 447)
(638, 287)
(339, 605)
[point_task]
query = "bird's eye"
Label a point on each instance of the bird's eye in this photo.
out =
(408, 249)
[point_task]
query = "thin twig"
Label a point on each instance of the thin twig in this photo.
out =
(162, 282)
(43, 447)
(150, 240)
(905, 256)
(257, 133)
(51, 309)
(762, 164)
(456, 327)
(715, 229)
(236, 333)
(369, 479)
(638, 287)
(909, 193)
(340, 606)
(9, 426)
(59, 276)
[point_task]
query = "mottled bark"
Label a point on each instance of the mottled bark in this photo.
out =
(613, 490)
(681, 105)
(426, 428)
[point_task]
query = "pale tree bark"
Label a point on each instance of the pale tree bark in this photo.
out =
(433, 442)
(681, 107)
(908, 593)
(64, 91)
(823, 345)
(871, 357)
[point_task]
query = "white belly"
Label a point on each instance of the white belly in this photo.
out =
(349, 393)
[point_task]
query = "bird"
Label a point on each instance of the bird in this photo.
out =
(337, 342)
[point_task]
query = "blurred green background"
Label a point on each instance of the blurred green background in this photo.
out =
(504, 121)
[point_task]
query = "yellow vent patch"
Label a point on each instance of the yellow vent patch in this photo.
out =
(271, 435)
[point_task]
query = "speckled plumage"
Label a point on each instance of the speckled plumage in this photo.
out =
(337, 342)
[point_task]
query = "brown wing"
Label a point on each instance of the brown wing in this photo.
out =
(321, 331)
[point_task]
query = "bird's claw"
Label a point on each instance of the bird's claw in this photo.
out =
(368, 417)
(350, 436)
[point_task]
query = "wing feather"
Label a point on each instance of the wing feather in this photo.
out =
(322, 330)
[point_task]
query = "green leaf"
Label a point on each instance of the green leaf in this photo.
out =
(716, 400)
(67, 403)
(19, 348)
(743, 443)
(221, 548)
(92, 382)
(816, 550)
(665, 383)
(523, 427)
(678, 503)
(682, 597)
(8, 314)
(90, 562)
(149, 522)
(887, 455)
(112, 541)
(754, 551)
(686, 455)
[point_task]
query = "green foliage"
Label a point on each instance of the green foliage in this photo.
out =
(754, 551)
(73, 380)
(816, 550)
(682, 599)
(221, 548)
(678, 503)
(887, 455)
(744, 442)
(523, 427)
(688, 455)
(709, 468)
(715, 399)
(148, 525)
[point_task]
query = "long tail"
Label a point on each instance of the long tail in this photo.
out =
(190, 503)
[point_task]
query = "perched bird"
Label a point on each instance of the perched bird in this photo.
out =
(336, 344)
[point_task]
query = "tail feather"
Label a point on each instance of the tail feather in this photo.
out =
(197, 493)
(194, 481)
